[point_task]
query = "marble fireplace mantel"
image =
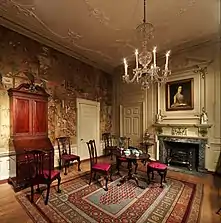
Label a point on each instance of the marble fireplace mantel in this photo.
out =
(190, 130)
(200, 141)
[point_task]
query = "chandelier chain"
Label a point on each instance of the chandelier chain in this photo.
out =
(144, 18)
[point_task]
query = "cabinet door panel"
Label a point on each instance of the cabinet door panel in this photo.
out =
(40, 117)
(22, 116)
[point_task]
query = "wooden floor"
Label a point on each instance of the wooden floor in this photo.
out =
(12, 212)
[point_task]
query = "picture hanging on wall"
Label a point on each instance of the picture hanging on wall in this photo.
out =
(179, 95)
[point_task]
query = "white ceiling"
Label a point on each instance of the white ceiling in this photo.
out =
(102, 32)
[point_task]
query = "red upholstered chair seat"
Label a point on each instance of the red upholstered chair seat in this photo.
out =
(157, 165)
(54, 174)
(69, 157)
(101, 166)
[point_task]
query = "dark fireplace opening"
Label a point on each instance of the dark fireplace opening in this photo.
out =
(182, 154)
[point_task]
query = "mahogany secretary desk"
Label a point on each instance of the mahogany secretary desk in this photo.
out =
(28, 130)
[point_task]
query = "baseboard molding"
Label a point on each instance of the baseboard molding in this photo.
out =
(3, 181)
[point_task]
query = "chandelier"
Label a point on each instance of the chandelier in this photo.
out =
(144, 73)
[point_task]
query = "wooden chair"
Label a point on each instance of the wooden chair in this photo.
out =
(41, 171)
(102, 168)
(65, 156)
(124, 143)
(108, 143)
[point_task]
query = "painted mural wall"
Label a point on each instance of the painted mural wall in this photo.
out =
(63, 77)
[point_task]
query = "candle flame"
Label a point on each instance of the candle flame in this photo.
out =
(136, 52)
(155, 49)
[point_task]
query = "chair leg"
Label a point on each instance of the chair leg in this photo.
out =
(90, 177)
(148, 175)
(164, 176)
(111, 154)
(218, 211)
(38, 189)
(152, 175)
(59, 182)
(118, 166)
(106, 182)
(32, 193)
(59, 162)
(79, 163)
(111, 175)
(161, 178)
(136, 165)
(65, 168)
(47, 195)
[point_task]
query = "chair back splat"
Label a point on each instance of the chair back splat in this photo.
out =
(92, 152)
(37, 164)
(109, 146)
(65, 156)
(64, 145)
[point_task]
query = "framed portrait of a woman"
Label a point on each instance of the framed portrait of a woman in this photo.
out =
(179, 95)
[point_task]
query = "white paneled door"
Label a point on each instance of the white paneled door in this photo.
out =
(132, 122)
(88, 125)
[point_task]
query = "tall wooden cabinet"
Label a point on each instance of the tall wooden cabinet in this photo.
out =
(29, 129)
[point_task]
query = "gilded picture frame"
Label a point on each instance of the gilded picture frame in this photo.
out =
(180, 95)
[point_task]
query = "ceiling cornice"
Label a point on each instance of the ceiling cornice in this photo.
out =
(185, 47)
(50, 43)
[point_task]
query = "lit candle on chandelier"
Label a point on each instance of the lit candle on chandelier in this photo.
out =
(167, 59)
(125, 66)
(154, 56)
(136, 55)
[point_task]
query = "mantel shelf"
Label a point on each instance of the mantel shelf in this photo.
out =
(181, 129)
(183, 137)
(183, 125)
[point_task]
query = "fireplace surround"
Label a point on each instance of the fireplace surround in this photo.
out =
(195, 145)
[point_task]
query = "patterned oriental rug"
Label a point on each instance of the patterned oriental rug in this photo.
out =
(178, 201)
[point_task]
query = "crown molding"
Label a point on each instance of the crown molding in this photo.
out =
(197, 43)
(185, 47)
(50, 43)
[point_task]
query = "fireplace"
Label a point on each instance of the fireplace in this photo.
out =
(183, 151)
(182, 154)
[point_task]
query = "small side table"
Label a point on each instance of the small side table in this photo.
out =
(146, 145)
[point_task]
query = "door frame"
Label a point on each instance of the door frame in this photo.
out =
(93, 103)
(142, 105)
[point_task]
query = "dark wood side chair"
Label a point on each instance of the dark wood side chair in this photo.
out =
(108, 143)
(98, 167)
(41, 171)
(124, 143)
(65, 156)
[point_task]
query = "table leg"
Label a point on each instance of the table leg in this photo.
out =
(130, 175)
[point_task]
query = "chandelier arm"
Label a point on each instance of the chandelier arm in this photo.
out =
(136, 73)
